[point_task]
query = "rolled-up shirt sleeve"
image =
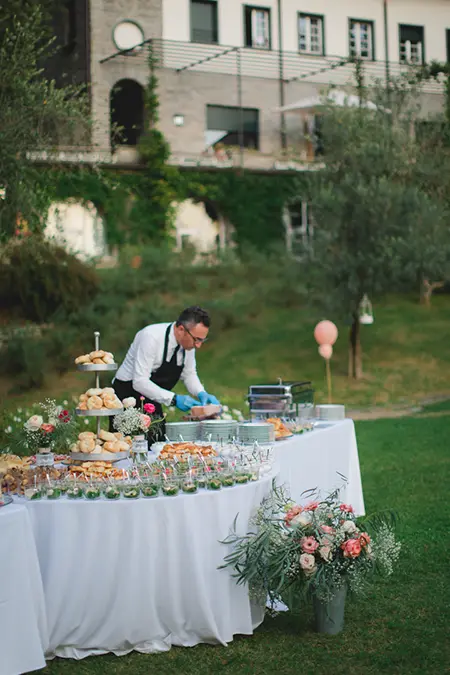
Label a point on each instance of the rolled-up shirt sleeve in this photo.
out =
(143, 367)
(189, 375)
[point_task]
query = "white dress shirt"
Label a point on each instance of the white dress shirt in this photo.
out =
(145, 356)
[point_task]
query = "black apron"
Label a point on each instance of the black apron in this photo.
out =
(166, 376)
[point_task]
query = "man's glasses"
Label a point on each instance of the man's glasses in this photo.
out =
(197, 340)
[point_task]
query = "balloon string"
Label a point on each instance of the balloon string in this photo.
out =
(327, 362)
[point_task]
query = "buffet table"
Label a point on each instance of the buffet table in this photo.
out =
(315, 459)
(23, 626)
(142, 574)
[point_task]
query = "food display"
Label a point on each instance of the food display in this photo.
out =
(19, 479)
(87, 470)
(97, 357)
(281, 430)
(181, 451)
(104, 443)
(99, 399)
(8, 462)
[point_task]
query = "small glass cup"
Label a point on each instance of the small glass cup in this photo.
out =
(34, 493)
(53, 491)
(111, 491)
(189, 485)
(227, 478)
(214, 482)
(149, 489)
(92, 491)
(170, 487)
(241, 477)
(131, 490)
(74, 491)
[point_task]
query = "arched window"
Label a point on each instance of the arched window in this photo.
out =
(127, 112)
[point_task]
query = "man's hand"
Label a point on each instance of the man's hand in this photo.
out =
(206, 398)
(185, 403)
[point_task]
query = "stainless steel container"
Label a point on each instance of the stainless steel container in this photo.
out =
(284, 399)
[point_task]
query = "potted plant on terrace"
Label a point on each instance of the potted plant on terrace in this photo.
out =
(319, 551)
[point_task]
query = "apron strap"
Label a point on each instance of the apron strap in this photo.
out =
(166, 342)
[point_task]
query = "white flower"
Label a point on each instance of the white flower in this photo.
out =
(227, 416)
(19, 410)
(34, 423)
(225, 408)
(236, 413)
(349, 526)
(65, 402)
(129, 402)
(308, 563)
(8, 430)
(86, 421)
(325, 553)
(302, 519)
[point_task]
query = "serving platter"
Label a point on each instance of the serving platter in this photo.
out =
(99, 457)
(97, 367)
(5, 500)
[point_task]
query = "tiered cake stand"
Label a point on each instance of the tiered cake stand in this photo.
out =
(98, 368)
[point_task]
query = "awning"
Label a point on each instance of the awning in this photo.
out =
(334, 97)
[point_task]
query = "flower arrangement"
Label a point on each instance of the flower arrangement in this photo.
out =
(315, 550)
(51, 427)
(132, 421)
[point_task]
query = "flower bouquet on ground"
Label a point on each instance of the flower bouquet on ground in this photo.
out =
(133, 421)
(52, 430)
(320, 550)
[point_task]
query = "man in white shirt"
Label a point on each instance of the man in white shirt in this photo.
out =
(160, 355)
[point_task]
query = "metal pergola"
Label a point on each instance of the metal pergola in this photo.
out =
(282, 66)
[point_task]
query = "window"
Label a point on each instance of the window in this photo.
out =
(299, 223)
(227, 122)
(204, 26)
(361, 39)
(257, 27)
(411, 44)
(447, 34)
(310, 34)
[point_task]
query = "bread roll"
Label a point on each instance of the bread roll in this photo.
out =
(97, 354)
(112, 404)
(83, 397)
(112, 447)
(86, 434)
(108, 359)
(94, 403)
(87, 445)
(123, 447)
(82, 359)
(82, 405)
(98, 361)
(94, 392)
(108, 391)
(107, 436)
(98, 450)
(118, 435)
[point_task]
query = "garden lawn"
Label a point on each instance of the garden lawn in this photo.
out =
(400, 628)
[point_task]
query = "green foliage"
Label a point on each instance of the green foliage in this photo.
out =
(23, 358)
(37, 278)
(34, 113)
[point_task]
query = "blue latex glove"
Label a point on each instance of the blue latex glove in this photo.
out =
(206, 398)
(185, 403)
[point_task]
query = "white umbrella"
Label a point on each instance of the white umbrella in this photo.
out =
(336, 96)
(213, 137)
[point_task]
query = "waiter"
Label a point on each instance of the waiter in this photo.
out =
(160, 355)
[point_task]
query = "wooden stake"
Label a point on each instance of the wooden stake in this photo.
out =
(327, 362)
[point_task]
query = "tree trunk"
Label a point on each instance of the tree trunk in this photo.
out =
(355, 352)
(427, 291)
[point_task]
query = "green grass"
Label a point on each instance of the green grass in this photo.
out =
(401, 628)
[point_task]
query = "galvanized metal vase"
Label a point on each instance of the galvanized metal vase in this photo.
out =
(329, 616)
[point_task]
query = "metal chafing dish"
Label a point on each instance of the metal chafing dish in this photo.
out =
(284, 399)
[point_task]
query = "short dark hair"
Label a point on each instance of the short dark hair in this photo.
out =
(194, 315)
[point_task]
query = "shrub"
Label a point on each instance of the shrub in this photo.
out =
(23, 356)
(37, 278)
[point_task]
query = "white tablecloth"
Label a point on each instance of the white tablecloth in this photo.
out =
(315, 459)
(23, 627)
(142, 575)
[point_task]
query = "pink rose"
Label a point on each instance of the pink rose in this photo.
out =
(307, 563)
(327, 529)
(145, 421)
(47, 428)
(149, 408)
(346, 507)
(312, 506)
(292, 513)
(364, 539)
(309, 544)
(351, 548)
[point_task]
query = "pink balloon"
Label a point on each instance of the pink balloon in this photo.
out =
(326, 351)
(325, 333)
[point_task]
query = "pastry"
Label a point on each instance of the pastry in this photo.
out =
(82, 359)
(108, 359)
(86, 434)
(108, 391)
(112, 404)
(98, 361)
(94, 392)
(112, 447)
(98, 354)
(82, 405)
(108, 436)
(94, 403)
(98, 450)
(87, 445)
(83, 397)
